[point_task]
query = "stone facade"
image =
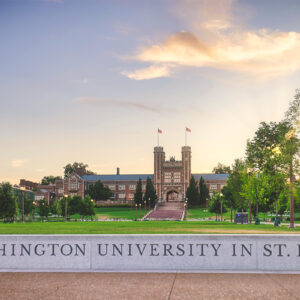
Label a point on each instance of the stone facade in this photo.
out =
(171, 179)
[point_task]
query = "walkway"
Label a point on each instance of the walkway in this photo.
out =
(167, 211)
(154, 286)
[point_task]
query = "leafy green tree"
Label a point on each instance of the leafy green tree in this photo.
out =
(150, 192)
(28, 205)
(56, 208)
(43, 208)
(71, 168)
(215, 205)
(63, 203)
(235, 182)
(203, 192)
(87, 207)
(46, 180)
(8, 203)
(256, 188)
(138, 196)
(75, 205)
(221, 169)
(98, 191)
(227, 192)
(192, 193)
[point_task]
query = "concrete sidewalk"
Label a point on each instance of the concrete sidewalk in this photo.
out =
(148, 286)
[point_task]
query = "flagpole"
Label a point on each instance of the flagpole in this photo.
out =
(157, 138)
(185, 138)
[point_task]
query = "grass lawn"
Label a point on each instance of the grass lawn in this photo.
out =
(147, 227)
(200, 213)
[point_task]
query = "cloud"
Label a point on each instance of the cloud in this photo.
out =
(123, 104)
(148, 73)
(220, 43)
(16, 163)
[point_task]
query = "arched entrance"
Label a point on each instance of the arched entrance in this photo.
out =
(172, 196)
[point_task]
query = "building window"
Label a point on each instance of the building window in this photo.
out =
(38, 198)
(73, 194)
(177, 177)
(168, 177)
(221, 186)
(132, 187)
(213, 187)
(122, 187)
(112, 187)
(60, 191)
(144, 187)
(121, 196)
(131, 196)
(73, 186)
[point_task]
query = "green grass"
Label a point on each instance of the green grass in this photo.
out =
(200, 213)
(147, 227)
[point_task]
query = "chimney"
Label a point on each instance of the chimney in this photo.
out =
(118, 171)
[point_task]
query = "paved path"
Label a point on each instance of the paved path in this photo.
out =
(167, 210)
(121, 286)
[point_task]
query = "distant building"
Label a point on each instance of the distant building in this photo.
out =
(28, 185)
(171, 179)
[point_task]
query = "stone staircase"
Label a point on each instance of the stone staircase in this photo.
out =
(167, 211)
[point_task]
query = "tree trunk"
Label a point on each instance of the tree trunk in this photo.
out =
(276, 208)
(292, 225)
(250, 217)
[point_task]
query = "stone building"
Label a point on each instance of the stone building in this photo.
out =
(171, 179)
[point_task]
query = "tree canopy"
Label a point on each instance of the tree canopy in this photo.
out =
(192, 193)
(71, 168)
(221, 169)
(138, 196)
(46, 180)
(150, 192)
(8, 203)
(98, 191)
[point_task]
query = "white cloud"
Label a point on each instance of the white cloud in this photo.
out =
(148, 73)
(218, 42)
(16, 163)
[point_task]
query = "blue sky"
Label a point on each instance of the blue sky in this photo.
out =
(92, 81)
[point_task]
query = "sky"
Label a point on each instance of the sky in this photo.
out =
(92, 81)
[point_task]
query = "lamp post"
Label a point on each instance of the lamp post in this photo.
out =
(140, 205)
(249, 200)
(23, 191)
(66, 207)
(221, 207)
(149, 202)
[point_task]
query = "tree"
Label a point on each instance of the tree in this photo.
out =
(227, 192)
(28, 205)
(46, 180)
(8, 203)
(264, 153)
(43, 208)
(203, 192)
(235, 182)
(75, 205)
(150, 192)
(87, 207)
(63, 205)
(192, 193)
(56, 208)
(215, 205)
(221, 169)
(138, 196)
(72, 168)
(98, 191)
